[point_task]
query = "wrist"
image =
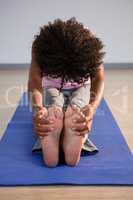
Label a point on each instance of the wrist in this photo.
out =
(92, 107)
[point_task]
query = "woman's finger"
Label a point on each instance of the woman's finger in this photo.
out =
(42, 134)
(42, 121)
(78, 118)
(44, 128)
(82, 133)
(79, 126)
(75, 108)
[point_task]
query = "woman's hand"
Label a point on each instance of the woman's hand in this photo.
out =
(42, 124)
(83, 123)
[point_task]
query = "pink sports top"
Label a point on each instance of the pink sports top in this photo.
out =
(56, 82)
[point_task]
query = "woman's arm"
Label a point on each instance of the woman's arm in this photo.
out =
(35, 83)
(96, 94)
(97, 88)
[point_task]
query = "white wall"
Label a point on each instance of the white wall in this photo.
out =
(112, 20)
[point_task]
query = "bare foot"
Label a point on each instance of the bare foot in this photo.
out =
(50, 143)
(72, 143)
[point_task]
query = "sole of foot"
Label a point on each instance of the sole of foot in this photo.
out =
(50, 143)
(72, 143)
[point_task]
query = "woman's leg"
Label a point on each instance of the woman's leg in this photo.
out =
(72, 143)
(50, 143)
(53, 100)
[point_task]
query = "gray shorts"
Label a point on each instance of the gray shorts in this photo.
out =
(75, 96)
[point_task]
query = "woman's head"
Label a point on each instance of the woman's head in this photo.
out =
(68, 50)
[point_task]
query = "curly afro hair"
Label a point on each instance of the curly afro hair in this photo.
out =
(68, 50)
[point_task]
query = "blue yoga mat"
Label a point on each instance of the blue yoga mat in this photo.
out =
(112, 165)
